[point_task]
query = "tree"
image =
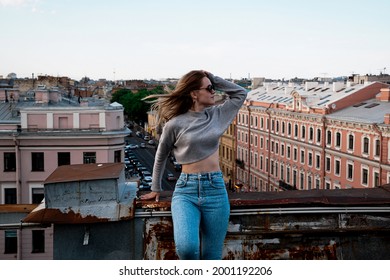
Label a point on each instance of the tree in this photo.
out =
(134, 107)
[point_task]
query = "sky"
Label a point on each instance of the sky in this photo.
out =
(158, 39)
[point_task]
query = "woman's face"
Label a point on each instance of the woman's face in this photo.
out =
(204, 97)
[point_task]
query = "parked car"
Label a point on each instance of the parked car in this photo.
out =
(132, 146)
(146, 173)
(147, 138)
(171, 177)
(142, 145)
(139, 134)
(146, 183)
(151, 142)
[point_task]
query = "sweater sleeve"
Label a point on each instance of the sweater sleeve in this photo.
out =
(236, 97)
(165, 145)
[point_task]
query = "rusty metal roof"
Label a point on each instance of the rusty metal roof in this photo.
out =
(342, 197)
(86, 193)
(17, 208)
(107, 211)
(85, 172)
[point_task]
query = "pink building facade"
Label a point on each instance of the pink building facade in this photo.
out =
(314, 136)
(41, 136)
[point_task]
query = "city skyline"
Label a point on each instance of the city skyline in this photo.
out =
(158, 40)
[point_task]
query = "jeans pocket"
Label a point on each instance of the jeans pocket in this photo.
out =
(180, 183)
(218, 183)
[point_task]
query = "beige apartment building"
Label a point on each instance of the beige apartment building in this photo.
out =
(39, 131)
(314, 136)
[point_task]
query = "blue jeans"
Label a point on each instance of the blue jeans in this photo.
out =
(200, 212)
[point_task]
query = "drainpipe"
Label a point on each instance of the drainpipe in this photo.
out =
(380, 161)
(249, 146)
(269, 145)
(17, 171)
(322, 167)
(18, 192)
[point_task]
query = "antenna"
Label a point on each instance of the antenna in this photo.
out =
(384, 71)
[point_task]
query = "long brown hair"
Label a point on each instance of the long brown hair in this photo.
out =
(177, 101)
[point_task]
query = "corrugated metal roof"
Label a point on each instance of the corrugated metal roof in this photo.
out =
(85, 172)
(364, 112)
(86, 193)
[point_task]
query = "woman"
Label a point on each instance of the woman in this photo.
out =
(192, 129)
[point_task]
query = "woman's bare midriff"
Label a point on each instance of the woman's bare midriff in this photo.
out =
(209, 164)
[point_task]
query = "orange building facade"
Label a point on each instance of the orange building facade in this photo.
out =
(314, 136)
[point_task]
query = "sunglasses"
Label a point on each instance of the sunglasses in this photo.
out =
(209, 88)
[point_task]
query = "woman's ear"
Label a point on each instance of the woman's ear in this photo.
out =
(194, 95)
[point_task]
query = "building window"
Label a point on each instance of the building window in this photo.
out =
(289, 129)
(9, 162)
(309, 182)
(318, 135)
(295, 154)
(288, 174)
(302, 183)
(364, 176)
(376, 179)
(282, 150)
(377, 147)
(295, 178)
(261, 162)
(366, 144)
(10, 242)
(328, 137)
(318, 161)
(337, 167)
(338, 139)
(89, 157)
(283, 127)
(63, 158)
(118, 155)
(327, 167)
(302, 156)
(327, 185)
(288, 152)
(37, 161)
(38, 241)
(37, 195)
(303, 132)
(311, 134)
(318, 184)
(10, 196)
(310, 159)
(349, 171)
(281, 172)
(350, 142)
(295, 130)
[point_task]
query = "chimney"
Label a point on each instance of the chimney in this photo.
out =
(385, 95)
(387, 119)
(337, 86)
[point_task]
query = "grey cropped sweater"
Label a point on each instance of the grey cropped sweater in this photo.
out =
(194, 136)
